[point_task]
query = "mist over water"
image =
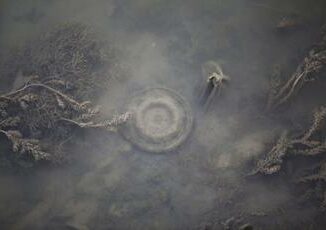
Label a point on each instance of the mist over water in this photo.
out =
(164, 43)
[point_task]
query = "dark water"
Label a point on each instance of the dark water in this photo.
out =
(165, 42)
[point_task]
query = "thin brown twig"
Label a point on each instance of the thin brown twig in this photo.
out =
(38, 85)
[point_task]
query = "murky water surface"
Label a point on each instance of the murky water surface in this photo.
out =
(114, 185)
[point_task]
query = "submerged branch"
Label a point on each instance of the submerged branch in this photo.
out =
(312, 65)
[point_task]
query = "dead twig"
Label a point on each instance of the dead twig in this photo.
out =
(68, 99)
(307, 71)
(306, 145)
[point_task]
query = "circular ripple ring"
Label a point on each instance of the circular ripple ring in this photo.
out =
(161, 120)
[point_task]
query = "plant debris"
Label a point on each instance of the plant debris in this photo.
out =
(38, 114)
(308, 71)
(309, 144)
(70, 55)
(67, 68)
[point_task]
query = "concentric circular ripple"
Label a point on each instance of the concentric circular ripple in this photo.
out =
(161, 120)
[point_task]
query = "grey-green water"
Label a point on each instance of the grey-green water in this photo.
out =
(164, 43)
